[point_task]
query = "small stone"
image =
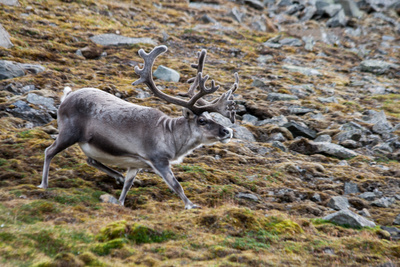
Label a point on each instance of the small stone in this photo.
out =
(351, 144)
(247, 196)
(10, 69)
(10, 2)
(339, 20)
(298, 130)
(46, 102)
(115, 39)
(323, 138)
(378, 67)
(207, 19)
(277, 120)
(330, 99)
(5, 38)
(350, 8)
(236, 15)
(279, 145)
(254, 4)
(338, 203)
(303, 70)
(91, 52)
(350, 188)
(50, 129)
(397, 220)
(106, 198)
(265, 59)
(291, 42)
(299, 110)
(364, 212)
(370, 196)
(349, 218)
(316, 197)
(250, 119)
(309, 43)
(384, 202)
(335, 150)
(166, 74)
(281, 97)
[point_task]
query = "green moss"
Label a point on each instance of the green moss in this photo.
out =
(106, 248)
(113, 230)
(245, 243)
(137, 233)
(142, 234)
(278, 225)
(89, 259)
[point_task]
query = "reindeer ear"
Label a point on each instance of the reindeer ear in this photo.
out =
(188, 114)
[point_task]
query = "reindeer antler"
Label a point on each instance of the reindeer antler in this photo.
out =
(224, 105)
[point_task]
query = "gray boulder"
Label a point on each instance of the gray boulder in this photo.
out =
(250, 119)
(281, 97)
(350, 188)
(381, 125)
(291, 42)
(22, 110)
(397, 220)
(339, 20)
(338, 203)
(115, 39)
(5, 38)
(254, 4)
(334, 150)
(247, 196)
(11, 69)
(46, 102)
(384, 202)
(350, 8)
(375, 66)
(166, 74)
(370, 196)
(298, 130)
(302, 70)
(307, 147)
(106, 198)
(239, 132)
(349, 218)
(277, 120)
(323, 138)
(10, 2)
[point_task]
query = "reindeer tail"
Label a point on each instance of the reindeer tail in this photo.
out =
(67, 90)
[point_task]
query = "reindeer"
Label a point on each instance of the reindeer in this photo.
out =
(112, 131)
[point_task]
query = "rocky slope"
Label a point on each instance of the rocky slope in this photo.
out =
(311, 178)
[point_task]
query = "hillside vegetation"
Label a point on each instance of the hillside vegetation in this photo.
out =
(264, 195)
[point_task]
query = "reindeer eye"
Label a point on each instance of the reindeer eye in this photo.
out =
(202, 121)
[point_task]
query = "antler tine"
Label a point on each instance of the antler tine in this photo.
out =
(224, 105)
(146, 72)
(199, 66)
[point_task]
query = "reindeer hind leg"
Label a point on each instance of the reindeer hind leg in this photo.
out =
(64, 140)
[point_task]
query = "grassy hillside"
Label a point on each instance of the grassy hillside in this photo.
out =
(68, 225)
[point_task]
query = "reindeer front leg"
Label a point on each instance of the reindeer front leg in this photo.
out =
(163, 169)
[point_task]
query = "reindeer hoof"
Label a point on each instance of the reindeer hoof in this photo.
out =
(42, 186)
(192, 206)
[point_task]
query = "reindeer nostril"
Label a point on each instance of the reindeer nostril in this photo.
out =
(225, 131)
